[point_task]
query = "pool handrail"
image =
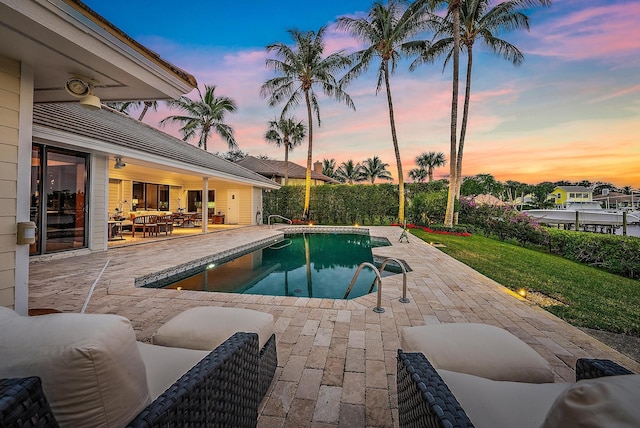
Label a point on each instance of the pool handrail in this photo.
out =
(278, 216)
(403, 299)
(378, 279)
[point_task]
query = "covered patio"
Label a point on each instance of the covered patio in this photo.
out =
(336, 358)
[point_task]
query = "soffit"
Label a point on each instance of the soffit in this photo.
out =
(57, 38)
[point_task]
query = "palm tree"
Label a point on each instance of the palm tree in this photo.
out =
(203, 116)
(430, 161)
(478, 21)
(373, 168)
(348, 172)
(329, 167)
(301, 69)
(388, 32)
(418, 175)
(288, 133)
(147, 105)
(124, 107)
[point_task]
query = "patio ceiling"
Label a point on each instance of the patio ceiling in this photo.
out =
(60, 38)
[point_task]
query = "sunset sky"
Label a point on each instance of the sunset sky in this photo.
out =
(571, 111)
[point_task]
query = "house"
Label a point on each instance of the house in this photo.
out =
(563, 195)
(275, 170)
(619, 200)
(58, 174)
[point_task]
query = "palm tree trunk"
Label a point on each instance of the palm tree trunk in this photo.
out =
(396, 149)
(465, 116)
(307, 180)
(286, 162)
(448, 218)
(144, 111)
(430, 174)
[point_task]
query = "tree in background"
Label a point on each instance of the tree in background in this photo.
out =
(302, 68)
(388, 33)
(348, 172)
(482, 184)
(418, 175)
(329, 167)
(124, 107)
(202, 116)
(430, 161)
(285, 132)
(373, 168)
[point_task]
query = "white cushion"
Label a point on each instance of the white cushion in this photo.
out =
(610, 402)
(7, 313)
(494, 404)
(91, 371)
(478, 349)
(206, 327)
(165, 365)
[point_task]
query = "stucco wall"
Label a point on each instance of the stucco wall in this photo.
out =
(9, 137)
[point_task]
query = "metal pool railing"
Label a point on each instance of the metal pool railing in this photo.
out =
(278, 216)
(378, 280)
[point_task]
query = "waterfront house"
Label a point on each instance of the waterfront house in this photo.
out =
(563, 195)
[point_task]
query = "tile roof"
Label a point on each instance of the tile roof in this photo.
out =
(276, 168)
(114, 128)
(575, 189)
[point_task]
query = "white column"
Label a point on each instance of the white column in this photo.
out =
(205, 203)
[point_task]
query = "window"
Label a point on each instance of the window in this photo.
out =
(153, 197)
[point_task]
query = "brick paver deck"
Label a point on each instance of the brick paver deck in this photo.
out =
(336, 358)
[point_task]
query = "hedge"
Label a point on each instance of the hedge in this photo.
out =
(613, 253)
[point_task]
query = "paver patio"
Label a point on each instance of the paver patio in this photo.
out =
(336, 358)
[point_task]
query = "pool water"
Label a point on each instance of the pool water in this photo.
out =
(317, 265)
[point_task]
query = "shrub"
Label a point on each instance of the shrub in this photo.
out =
(502, 221)
(613, 253)
(427, 207)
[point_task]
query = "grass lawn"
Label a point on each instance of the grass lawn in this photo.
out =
(594, 298)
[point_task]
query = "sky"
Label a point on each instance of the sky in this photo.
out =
(570, 111)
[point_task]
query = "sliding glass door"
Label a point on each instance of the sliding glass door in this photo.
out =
(58, 199)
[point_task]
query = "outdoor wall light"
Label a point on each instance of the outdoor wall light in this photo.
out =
(119, 164)
(82, 87)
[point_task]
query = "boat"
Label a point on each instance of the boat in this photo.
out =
(590, 213)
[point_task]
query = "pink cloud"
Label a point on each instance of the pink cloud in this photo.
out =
(598, 32)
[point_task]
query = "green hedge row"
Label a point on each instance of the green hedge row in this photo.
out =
(613, 253)
(340, 204)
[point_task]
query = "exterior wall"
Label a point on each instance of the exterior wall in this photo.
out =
(9, 142)
(99, 194)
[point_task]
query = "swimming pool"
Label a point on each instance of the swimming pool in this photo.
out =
(319, 265)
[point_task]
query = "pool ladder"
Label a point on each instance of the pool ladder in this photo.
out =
(378, 280)
(277, 216)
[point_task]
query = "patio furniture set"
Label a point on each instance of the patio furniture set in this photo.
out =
(212, 366)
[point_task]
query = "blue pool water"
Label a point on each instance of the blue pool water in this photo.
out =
(307, 265)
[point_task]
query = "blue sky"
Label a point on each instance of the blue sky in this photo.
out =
(570, 111)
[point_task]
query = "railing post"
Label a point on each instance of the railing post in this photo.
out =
(403, 299)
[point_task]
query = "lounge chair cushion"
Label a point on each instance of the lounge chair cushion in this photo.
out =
(478, 349)
(491, 404)
(610, 402)
(90, 367)
(165, 365)
(206, 327)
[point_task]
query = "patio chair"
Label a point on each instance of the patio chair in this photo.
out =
(94, 373)
(165, 224)
(605, 395)
(146, 223)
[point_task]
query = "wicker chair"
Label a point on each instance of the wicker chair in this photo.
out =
(221, 390)
(425, 400)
